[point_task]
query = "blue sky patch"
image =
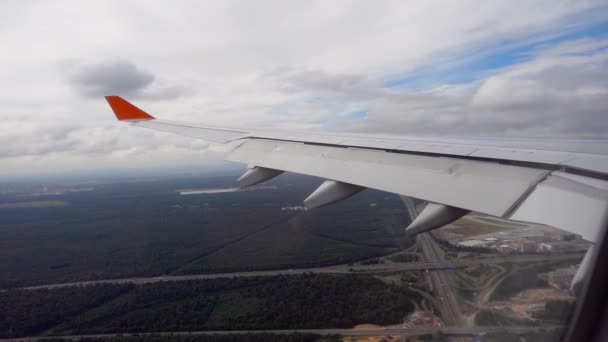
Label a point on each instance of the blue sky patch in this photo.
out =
(478, 62)
(359, 114)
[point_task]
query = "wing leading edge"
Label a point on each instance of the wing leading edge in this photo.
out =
(562, 184)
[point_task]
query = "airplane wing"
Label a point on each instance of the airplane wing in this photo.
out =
(559, 183)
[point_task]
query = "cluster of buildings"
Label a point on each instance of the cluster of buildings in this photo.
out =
(41, 189)
(528, 240)
(293, 208)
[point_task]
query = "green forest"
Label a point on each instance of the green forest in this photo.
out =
(256, 303)
(26, 313)
(146, 228)
(250, 337)
(523, 278)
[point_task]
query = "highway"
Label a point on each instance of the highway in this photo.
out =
(434, 264)
(441, 280)
(442, 283)
(404, 332)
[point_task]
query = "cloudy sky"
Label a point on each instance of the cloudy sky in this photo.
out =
(483, 68)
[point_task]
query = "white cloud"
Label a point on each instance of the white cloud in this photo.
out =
(281, 64)
(560, 92)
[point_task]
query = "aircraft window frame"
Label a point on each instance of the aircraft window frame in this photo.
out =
(589, 321)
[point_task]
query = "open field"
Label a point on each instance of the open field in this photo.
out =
(471, 227)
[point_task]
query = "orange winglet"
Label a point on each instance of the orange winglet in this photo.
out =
(124, 110)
